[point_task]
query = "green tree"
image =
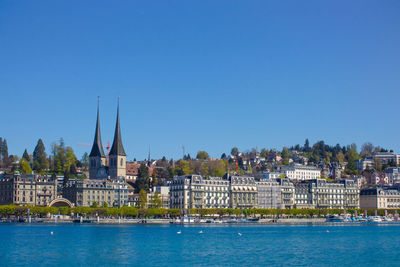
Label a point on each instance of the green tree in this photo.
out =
(156, 202)
(143, 180)
(183, 168)
(307, 146)
(203, 155)
(26, 156)
(94, 205)
(285, 156)
(70, 161)
(59, 156)
(24, 166)
(142, 199)
(351, 155)
(6, 160)
(39, 157)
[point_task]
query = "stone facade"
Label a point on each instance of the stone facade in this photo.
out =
(243, 192)
(29, 190)
(381, 197)
(196, 192)
(85, 192)
(269, 194)
(287, 193)
(320, 194)
(301, 172)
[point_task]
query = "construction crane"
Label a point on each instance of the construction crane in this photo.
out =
(106, 147)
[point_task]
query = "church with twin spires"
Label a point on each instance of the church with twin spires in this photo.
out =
(115, 166)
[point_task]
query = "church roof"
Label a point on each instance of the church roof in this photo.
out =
(97, 148)
(117, 148)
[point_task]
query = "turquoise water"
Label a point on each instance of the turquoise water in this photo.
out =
(219, 245)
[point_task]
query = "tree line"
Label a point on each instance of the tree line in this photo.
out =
(7, 211)
(60, 160)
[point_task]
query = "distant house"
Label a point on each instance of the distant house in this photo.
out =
(387, 157)
(301, 172)
(365, 163)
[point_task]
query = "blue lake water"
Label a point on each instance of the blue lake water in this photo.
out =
(219, 245)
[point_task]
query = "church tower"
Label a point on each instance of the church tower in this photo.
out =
(117, 164)
(97, 158)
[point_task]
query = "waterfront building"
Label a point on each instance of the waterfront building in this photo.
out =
(301, 172)
(320, 194)
(180, 188)
(32, 190)
(380, 197)
(243, 192)
(196, 192)
(98, 168)
(269, 194)
(163, 195)
(106, 184)
(86, 192)
(287, 193)
(304, 196)
(216, 193)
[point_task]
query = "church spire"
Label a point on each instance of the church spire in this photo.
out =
(97, 148)
(117, 148)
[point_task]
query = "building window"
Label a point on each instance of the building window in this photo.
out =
(122, 162)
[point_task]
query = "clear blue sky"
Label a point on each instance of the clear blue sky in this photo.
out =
(206, 74)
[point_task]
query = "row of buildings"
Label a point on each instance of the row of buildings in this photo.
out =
(195, 191)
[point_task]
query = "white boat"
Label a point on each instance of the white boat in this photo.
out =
(376, 219)
(387, 219)
(187, 220)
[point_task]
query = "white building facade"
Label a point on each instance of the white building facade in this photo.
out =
(301, 172)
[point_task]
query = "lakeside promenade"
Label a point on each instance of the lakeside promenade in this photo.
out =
(59, 220)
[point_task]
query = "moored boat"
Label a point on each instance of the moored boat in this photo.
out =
(334, 218)
(376, 219)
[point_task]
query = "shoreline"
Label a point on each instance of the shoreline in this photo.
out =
(170, 222)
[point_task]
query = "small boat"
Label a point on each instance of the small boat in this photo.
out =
(334, 218)
(187, 219)
(376, 219)
(387, 219)
(361, 219)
